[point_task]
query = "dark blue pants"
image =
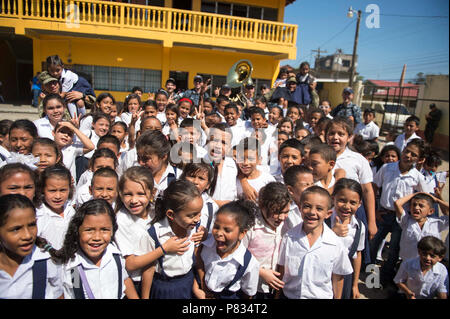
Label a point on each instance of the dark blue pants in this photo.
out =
(366, 256)
(388, 224)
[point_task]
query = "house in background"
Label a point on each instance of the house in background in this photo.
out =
(122, 44)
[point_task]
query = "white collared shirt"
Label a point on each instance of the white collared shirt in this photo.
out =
(126, 117)
(220, 272)
(264, 244)
(395, 185)
(262, 180)
(174, 264)
(103, 280)
(426, 286)
(68, 80)
(401, 140)
(83, 194)
(355, 165)
(431, 181)
(352, 229)
(20, 285)
(164, 181)
(205, 212)
(44, 127)
(308, 270)
(69, 154)
(94, 138)
(130, 232)
(4, 152)
(55, 226)
(294, 218)
(368, 131)
(129, 159)
(239, 133)
(226, 181)
(412, 233)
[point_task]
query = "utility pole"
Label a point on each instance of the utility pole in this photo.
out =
(355, 45)
(317, 66)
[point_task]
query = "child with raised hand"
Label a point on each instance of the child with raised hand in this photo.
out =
(170, 127)
(313, 261)
(203, 176)
(347, 196)
(177, 216)
(396, 181)
(419, 222)
(134, 215)
(54, 106)
(131, 108)
(93, 267)
(64, 138)
(47, 151)
(21, 259)
(411, 126)
(264, 238)
(227, 269)
(248, 158)
(57, 190)
(297, 178)
(424, 277)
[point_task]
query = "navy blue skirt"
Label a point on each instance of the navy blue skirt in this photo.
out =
(179, 287)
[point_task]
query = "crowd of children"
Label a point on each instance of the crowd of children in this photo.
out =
(177, 197)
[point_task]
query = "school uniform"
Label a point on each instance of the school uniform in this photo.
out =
(424, 286)
(264, 244)
(126, 117)
(55, 228)
(432, 180)
(395, 185)
(208, 213)
(401, 141)
(412, 233)
(257, 183)
(294, 218)
(44, 127)
(161, 116)
(94, 138)
(85, 178)
(226, 181)
(274, 163)
(82, 195)
(69, 153)
(4, 153)
(238, 132)
(332, 181)
(106, 281)
(368, 131)
(68, 80)
(128, 159)
(170, 174)
(22, 286)
(174, 274)
(86, 123)
(220, 274)
(308, 270)
(131, 231)
(356, 167)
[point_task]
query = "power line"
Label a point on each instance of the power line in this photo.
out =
(412, 16)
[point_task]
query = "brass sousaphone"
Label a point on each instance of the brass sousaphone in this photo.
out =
(239, 76)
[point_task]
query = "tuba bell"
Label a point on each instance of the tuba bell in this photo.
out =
(239, 76)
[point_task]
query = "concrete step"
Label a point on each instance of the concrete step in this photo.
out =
(15, 112)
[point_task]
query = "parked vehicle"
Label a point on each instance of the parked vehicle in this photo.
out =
(388, 115)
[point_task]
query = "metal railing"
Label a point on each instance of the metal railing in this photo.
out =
(172, 21)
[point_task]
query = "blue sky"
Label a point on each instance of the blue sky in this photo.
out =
(419, 42)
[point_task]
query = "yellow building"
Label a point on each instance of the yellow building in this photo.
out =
(122, 45)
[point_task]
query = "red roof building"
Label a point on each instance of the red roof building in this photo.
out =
(390, 88)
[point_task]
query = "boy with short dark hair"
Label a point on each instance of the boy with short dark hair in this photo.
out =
(191, 132)
(313, 273)
(409, 133)
(322, 159)
(424, 277)
(236, 126)
(104, 185)
(368, 129)
(290, 153)
(419, 222)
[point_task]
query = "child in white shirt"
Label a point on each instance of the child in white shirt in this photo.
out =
(248, 157)
(410, 129)
(227, 270)
(368, 130)
(419, 222)
(313, 261)
(424, 276)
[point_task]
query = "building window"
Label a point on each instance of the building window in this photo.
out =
(346, 63)
(239, 10)
(108, 78)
